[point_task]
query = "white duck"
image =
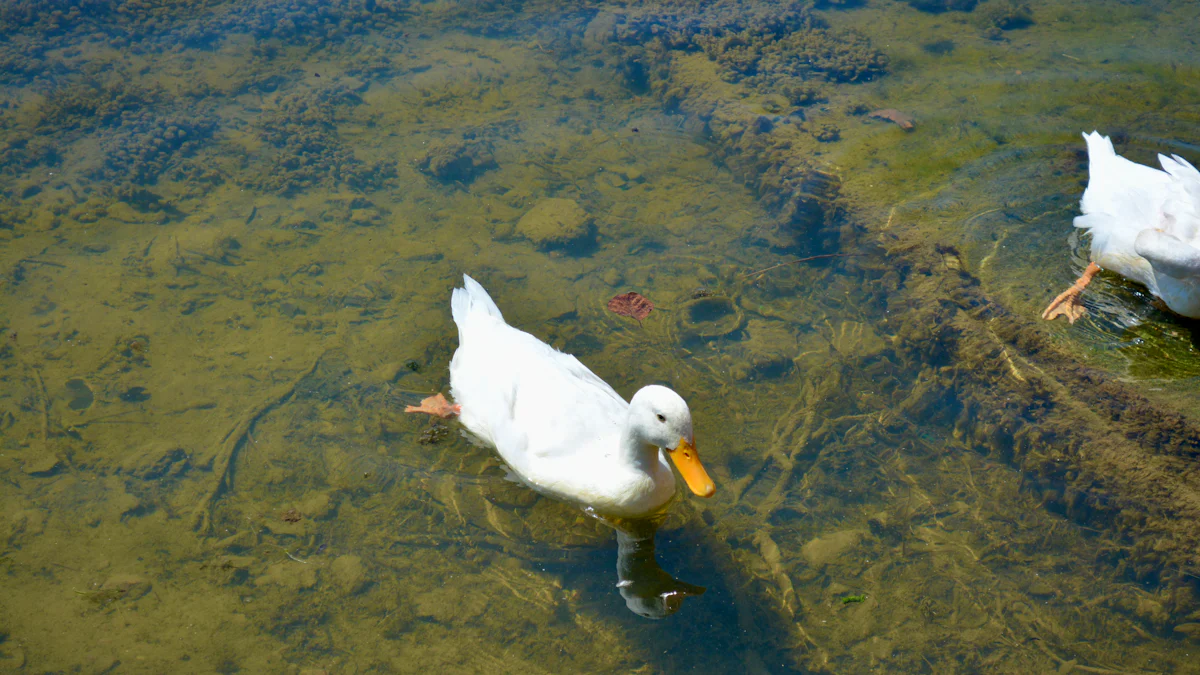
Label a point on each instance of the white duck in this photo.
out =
(1145, 226)
(558, 426)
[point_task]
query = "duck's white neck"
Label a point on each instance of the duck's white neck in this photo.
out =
(635, 450)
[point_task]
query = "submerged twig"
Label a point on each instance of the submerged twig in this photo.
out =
(800, 260)
(44, 409)
(202, 519)
(35, 261)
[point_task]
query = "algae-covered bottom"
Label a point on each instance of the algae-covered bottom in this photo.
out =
(230, 233)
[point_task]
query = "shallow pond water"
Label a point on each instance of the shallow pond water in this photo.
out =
(229, 235)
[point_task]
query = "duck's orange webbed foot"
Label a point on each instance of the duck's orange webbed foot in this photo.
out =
(1067, 303)
(436, 405)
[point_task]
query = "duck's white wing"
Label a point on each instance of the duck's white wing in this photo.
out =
(526, 398)
(1181, 208)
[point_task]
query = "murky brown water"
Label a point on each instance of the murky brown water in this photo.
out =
(229, 237)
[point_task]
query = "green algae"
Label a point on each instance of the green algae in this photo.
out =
(852, 450)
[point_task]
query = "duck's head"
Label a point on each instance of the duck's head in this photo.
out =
(660, 417)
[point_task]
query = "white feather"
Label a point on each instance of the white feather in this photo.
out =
(1145, 222)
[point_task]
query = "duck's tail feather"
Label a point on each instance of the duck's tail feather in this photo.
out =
(472, 299)
(1122, 199)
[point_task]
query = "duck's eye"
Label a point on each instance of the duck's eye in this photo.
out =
(661, 417)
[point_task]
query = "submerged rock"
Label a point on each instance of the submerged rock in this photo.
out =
(128, 586)
(556, 223)
(1191, 630)
(770, 347)
(457, 160)
(824, 550)
(156, 460)
(450, 605)
(348, 573)
(290, 574)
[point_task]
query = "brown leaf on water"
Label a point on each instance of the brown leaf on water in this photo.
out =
(631, 304)
(436, 405)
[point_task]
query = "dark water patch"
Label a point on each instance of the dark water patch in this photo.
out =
(80, 394)
(1002, 15)
(938, 6)
(710, 318)
(938, 48)
(134, 395)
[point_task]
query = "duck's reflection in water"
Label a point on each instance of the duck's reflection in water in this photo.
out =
(649, 591)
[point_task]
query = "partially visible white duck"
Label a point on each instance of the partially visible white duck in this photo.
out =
(561, 428)
(1145, 226)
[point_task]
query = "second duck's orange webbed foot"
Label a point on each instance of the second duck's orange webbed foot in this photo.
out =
(437, 406)
(1067, 303)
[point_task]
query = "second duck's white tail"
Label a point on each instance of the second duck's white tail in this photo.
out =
(1122, 199)
(471, 299)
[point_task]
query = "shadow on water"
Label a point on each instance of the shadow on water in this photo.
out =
(676, 609)
(648, 590)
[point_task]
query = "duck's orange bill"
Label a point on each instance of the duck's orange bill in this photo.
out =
(688, 462)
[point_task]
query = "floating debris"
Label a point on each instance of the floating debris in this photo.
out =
(904, 121)
(800, 260)
(436, 433)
